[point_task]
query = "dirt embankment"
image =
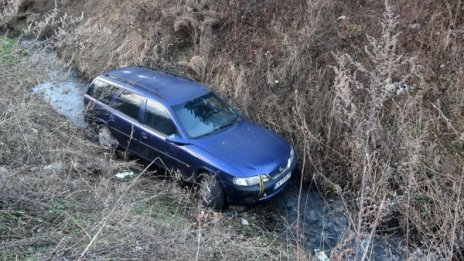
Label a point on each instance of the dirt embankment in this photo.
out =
(376, 117)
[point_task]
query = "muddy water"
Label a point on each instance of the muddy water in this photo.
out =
(63, 89)
(322, 223)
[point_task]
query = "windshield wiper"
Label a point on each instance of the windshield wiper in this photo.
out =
(225, 126)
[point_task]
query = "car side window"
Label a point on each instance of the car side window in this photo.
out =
(128, 103)
(102, 91)
(157, 118)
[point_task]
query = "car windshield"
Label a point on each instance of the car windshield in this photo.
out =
(205, 115)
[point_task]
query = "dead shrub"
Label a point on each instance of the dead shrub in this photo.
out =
(379, 99)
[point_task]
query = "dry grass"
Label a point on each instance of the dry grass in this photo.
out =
(399, 158)
(378, 100)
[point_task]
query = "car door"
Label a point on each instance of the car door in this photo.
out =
(123, 121)
(157, 126)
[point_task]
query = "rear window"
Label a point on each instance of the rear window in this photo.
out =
(102, 91)
(128, 103)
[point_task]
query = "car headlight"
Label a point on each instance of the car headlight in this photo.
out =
(291, 159)
(250, 181)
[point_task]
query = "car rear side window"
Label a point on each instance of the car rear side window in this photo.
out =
(102, 91)
(157, 118)
(128, 103)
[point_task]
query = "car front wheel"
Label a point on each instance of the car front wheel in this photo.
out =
(211, 191)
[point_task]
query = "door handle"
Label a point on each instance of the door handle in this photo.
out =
(144, 135)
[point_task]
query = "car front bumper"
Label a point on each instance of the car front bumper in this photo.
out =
(237, 195)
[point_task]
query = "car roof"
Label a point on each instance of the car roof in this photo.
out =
(170, 89)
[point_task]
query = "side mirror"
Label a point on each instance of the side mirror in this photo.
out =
(175, 139)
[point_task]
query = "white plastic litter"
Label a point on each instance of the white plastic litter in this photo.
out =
(321, 256)
(123, 175)
(54, 166)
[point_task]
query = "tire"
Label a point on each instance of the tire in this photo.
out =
(106, 140)
(211, 191)
(92, 131)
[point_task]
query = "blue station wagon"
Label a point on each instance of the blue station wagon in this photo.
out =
(186, 128)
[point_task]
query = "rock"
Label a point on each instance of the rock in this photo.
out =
(198, 216)
(238, 208)
(415, 26)
(244, 222)
(231, 214)
(217, 217)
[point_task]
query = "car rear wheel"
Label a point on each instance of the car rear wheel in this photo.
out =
(211, 191)
(106, 140)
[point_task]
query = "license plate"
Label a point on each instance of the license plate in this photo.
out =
(282, 181)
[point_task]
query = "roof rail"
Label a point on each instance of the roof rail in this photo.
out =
(132, 84)
(169, 73)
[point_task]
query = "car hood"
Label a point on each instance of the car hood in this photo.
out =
(247, 147)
